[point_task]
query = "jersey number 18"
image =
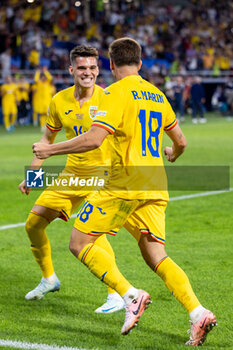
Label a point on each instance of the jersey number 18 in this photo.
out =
(153, 134)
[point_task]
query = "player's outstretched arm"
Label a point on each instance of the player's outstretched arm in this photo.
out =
(79, 144)
(47, 138)
(178, 146)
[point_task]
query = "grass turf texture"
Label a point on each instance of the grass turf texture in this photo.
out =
(199, 239)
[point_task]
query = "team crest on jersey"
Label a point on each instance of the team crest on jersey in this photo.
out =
(92, 111)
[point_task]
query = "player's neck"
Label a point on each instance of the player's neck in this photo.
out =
(82, 94)
(125, 71)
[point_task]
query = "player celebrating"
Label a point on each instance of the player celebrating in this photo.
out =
(42, 87)
(135, 113)
(141, 113)
(73, 109)
(9, 103)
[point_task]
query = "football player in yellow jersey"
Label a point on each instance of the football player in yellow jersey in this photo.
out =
(35, 104)
(135, 113)
(23, 88)
(52, 89)
(9, 103)
(43, 81)
(72, 109)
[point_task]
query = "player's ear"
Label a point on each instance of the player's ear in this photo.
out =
(111, 64)
(71, 70)
(140, 65)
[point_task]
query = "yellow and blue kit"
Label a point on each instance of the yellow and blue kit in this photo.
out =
(136, 113)
(9, 96)
(65, 111)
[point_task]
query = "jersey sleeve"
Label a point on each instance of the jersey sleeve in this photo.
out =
(3, 89)
(110, 110)
(53, 121)
(170, 119)
(37, 76)
(48, 75)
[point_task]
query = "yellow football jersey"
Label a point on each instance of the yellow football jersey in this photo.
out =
(64, 110)
(43, 92)
(9, 92)
(23, 91)
(136, 113)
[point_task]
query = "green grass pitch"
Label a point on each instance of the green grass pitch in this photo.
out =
(199, 238)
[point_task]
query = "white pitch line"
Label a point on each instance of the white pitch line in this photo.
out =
(36, 346)
(201, 194)
(172, 199)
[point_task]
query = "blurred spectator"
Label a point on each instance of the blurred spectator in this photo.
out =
(23, 88)
(35, 105)
(5, 62)
(190, 37)
(176, 38)
(169, 91)
(187, 95)
(9, 103)
(178, 88)
(198, 99)
(43, 90)
(229, 95)
(208, 61)
(219, 100)
(52, 89)
(34, 59)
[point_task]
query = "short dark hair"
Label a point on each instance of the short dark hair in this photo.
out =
(125, 51)
(83, 51)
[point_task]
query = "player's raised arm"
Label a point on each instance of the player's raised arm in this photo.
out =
(178, 146)
(47, 138)
(82, 143)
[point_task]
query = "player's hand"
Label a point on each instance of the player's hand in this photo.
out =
(23, 188)
(41, 150)
(168, 151)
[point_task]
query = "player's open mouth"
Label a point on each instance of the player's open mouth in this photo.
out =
(87, 80)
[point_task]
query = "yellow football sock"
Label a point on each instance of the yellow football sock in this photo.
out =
(34, 118)
(43, 118)
(103, 242)
(13, 119)
(177, 282)
(6, 119)
(40, 246)
(103, 266)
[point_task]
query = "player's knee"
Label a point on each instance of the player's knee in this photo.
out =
(35, 223)
(28, 225)
(74, 249)
(152, 251)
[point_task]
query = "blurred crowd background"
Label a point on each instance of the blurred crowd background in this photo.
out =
(184, 43)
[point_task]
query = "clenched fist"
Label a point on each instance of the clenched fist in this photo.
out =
(41, 150)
